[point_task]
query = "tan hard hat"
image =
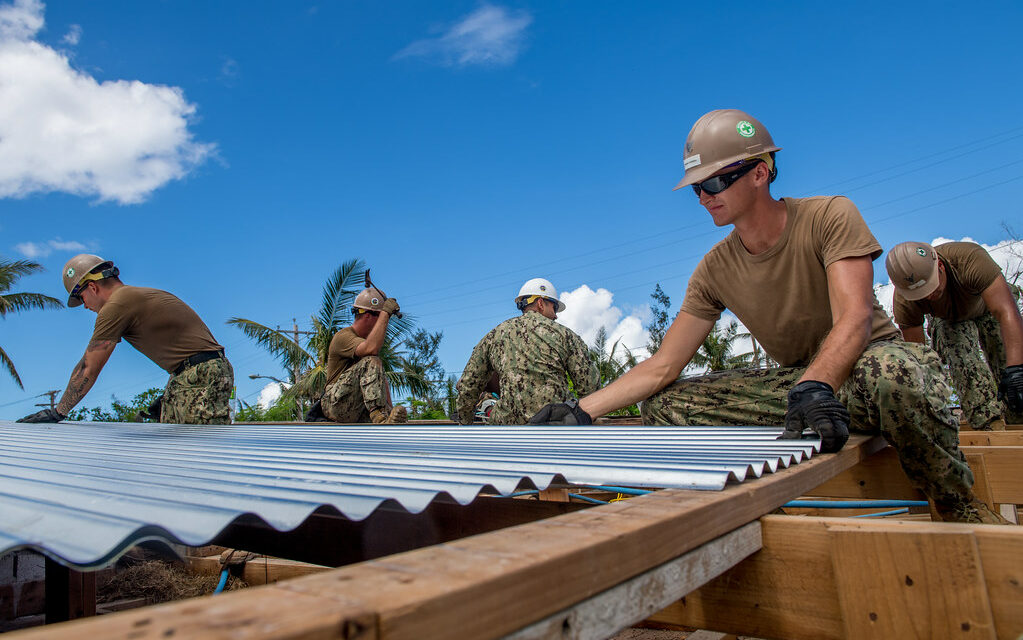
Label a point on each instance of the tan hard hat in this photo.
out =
(722, 138)
(913, 268)
(76, 269)
(369, 299)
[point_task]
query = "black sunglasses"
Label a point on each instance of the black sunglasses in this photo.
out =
(717, 184)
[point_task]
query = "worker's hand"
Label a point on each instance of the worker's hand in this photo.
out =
(46, 415)
(1010, 389)
(152, 412)
(391, 306)
(562, 413)
(813, 405)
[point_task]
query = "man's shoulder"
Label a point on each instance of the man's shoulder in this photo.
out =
(811, 206)
(956, 251)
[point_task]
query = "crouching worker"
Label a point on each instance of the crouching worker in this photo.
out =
(163, 328)
(357, 389)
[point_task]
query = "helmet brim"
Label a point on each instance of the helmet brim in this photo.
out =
(703, 172)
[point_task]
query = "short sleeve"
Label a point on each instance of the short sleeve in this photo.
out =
(345, 344)
(906, 313)
(840, 232)
(111, 323)
(979, 270)
(700, 300)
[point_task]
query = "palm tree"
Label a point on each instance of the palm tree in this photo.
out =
(716, 351)
(307, 364)
(10, 272)
(610, 367)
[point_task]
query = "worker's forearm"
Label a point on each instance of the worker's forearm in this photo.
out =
(641, 382)
(1012, 335)
(839, 352)
(84, 374)
(375, 339)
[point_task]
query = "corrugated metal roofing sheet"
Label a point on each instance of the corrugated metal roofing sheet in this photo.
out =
(84, 493)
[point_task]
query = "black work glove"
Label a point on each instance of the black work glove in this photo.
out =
(315, 413)
(813, 405)
(1010, 389)
(564, 413)
(153, 411)
(46, 415)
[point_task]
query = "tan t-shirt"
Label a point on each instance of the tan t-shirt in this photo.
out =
(969, 270)
(155, 322)
(341, 353)
(781, 295)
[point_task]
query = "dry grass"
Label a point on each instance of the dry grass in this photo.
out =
(158, 581)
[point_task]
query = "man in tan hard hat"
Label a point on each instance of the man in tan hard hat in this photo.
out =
(158, 324)
(961, 289)
(357, 389)
(532, 356)
(797, 272)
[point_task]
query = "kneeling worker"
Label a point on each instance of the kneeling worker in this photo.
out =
(531, 355)
(158, 324)
(357, 389)
(963, 290)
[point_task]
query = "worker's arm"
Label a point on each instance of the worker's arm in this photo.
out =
(913, 334)
(681, 341)
(852, 309)
(476, 376)
(582, 371)
(85, 373)
(371, 345)
(1002, 306)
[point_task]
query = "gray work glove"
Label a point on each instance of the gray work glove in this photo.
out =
(390, 306)
(564, 413)
(1010, 389)
(46, 415)
(813, 405)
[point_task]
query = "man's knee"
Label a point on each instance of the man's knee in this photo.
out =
(654, 410)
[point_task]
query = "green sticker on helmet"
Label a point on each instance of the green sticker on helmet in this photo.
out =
(71, 272)
(921, 252)
(745, 128)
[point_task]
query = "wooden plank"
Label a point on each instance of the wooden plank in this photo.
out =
(789, 589)
(70, 594)
(1004, 471)
(489, 585)
(990, 438)
(895, 584)
(554, 495)
(262, 570)
(981, 482)
(638, 598)
(878, 477)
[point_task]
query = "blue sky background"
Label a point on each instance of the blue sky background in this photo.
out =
(461, 148)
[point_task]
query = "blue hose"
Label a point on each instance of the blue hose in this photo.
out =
(586, 498)
(625, 490)
(854, 504)
(223, 581)
(522, 493)
(883, 513)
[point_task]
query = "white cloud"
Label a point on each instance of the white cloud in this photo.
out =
(271, 393)
(586, 311)
(73, 36)
(490, 35)
(62, 130)
(1007, 254)
(43, 249)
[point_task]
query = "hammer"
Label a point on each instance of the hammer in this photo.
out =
(370, 285)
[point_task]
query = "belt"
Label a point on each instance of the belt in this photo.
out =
(198, 358)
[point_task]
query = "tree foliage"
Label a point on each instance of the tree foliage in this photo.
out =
(660, 321)
(421, 359)
(10, 272)
(118, 411)
(715, 354)
(612, 364)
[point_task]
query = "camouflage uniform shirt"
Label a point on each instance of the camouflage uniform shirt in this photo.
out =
(531, 355)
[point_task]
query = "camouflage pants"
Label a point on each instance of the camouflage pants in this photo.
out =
(357, 392)
(975, 375)
(897, 389)
(199, 394)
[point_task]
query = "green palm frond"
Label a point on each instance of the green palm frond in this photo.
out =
(6, 362)
(339, 293)
(310, 385)
(13, 270)
(290, 354)
(24, 301)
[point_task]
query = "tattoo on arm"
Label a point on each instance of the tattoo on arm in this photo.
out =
(80, 383)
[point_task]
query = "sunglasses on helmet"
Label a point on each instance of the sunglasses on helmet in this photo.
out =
(717, 184)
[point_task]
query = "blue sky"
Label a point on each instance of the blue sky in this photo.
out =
(234, 153)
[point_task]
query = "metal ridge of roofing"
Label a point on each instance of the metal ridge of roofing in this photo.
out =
(83, 493)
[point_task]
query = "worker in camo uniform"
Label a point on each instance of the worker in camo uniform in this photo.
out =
(533, 357)
(357, 389)
(797, 273)
(163, 328)
(972, 312)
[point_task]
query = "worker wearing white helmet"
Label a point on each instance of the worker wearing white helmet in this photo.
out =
(527, 360)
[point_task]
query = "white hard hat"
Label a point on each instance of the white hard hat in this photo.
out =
(539, 287)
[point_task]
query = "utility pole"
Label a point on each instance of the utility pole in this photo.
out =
(295, 366)
(52, 404)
